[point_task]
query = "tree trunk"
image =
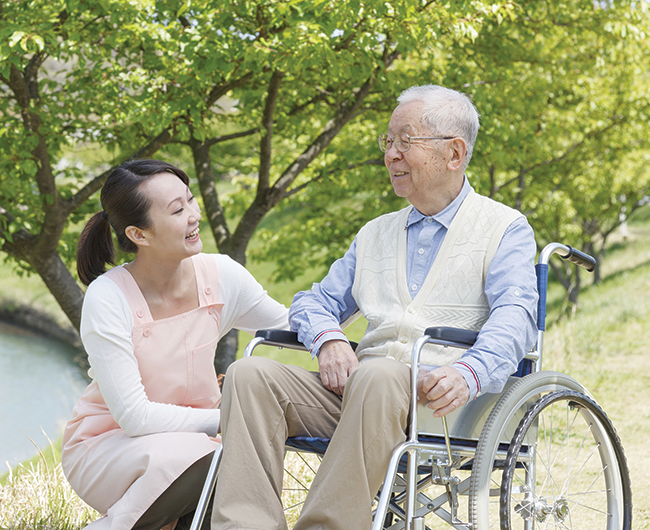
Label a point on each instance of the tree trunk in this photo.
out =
(62, 285)
(208, 188)
(574, 291)
(48, 265)
(226, 351)
(570, 280)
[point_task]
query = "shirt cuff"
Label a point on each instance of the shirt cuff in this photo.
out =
(471, 378)
(323, 337)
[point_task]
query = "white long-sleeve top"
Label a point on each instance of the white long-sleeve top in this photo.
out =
(107, 330)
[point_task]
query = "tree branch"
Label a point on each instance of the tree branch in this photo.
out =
(226, 137)
(222, 89)
(323, 93)
(267, 127)
(346, 112)
(96, 183)
(298, 189)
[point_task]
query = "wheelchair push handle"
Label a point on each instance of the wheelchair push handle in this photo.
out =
(565, 252)
(568, 253)
(580, 258)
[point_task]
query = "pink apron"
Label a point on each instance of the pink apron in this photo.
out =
(121, 476)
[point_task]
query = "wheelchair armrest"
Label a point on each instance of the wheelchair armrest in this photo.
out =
(285, 339)
(464, 337)
(280, 336)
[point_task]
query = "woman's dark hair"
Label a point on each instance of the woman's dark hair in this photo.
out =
(124, 205)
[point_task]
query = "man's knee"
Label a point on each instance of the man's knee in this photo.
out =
(381, 376)
(248, 371)
(385, 369)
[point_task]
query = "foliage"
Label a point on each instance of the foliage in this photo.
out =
(562, 90)
(565, 118)
(283, 79)
(279, 102)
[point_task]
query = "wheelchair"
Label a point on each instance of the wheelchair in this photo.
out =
(541, 454)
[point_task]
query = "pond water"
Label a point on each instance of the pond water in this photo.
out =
(39, 385)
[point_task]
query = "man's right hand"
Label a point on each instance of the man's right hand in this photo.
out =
(336, 361)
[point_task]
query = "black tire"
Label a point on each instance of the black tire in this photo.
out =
(485, 481)
(565, 468)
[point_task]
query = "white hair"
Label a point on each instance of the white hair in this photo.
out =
(446, 113)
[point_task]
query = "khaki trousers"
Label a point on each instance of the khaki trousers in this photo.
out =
(265, 402)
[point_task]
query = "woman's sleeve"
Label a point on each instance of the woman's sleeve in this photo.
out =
(106, 332)
(247, 306)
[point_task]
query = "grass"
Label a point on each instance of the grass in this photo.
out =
(36, 495)
(604, 346)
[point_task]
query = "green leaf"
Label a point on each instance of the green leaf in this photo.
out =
(16, 37)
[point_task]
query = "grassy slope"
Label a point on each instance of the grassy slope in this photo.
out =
(604, 346)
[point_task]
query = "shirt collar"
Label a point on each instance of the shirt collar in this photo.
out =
(447, 215)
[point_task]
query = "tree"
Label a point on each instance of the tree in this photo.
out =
(146, 75)
(45, 105)
(570, 145)
(562, 88)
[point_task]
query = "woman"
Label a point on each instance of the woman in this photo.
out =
(141, 438)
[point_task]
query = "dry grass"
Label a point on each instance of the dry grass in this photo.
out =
(299, 471)
(37, 496)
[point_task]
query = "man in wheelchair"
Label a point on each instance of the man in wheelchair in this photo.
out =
(451, 258)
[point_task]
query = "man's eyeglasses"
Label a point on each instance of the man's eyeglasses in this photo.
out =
(403, 141)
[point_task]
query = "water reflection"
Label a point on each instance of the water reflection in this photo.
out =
(39, 385)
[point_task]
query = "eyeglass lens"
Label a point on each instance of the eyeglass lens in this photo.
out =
(402, 142)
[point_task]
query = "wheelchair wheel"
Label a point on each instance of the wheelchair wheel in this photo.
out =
(487, 468)
(299, 471)
(565, 468)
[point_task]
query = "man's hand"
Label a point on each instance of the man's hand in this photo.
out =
(444, 389)
(336, 361)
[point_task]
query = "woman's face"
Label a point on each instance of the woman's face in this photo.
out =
(175, 216)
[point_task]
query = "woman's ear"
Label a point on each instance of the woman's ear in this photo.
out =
(458, 153)
(137, 235)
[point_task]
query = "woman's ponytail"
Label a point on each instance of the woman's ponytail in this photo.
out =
(95, 248)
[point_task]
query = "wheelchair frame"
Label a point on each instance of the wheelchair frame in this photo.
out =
(492, 432)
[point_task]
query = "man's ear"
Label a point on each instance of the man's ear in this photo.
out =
(458, 153)
(137, 235)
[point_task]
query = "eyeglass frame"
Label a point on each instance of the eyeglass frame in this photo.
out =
(386, 135)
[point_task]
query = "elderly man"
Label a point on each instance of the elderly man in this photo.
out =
(451, 258)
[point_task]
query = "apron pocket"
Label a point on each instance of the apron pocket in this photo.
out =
(204, 389)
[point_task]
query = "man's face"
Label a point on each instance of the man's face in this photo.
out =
(420, 175)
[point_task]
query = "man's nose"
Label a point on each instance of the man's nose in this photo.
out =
(393, 153)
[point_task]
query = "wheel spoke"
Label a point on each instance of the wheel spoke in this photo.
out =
(578, 482)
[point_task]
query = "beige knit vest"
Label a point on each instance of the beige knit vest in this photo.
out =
(453, 293)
